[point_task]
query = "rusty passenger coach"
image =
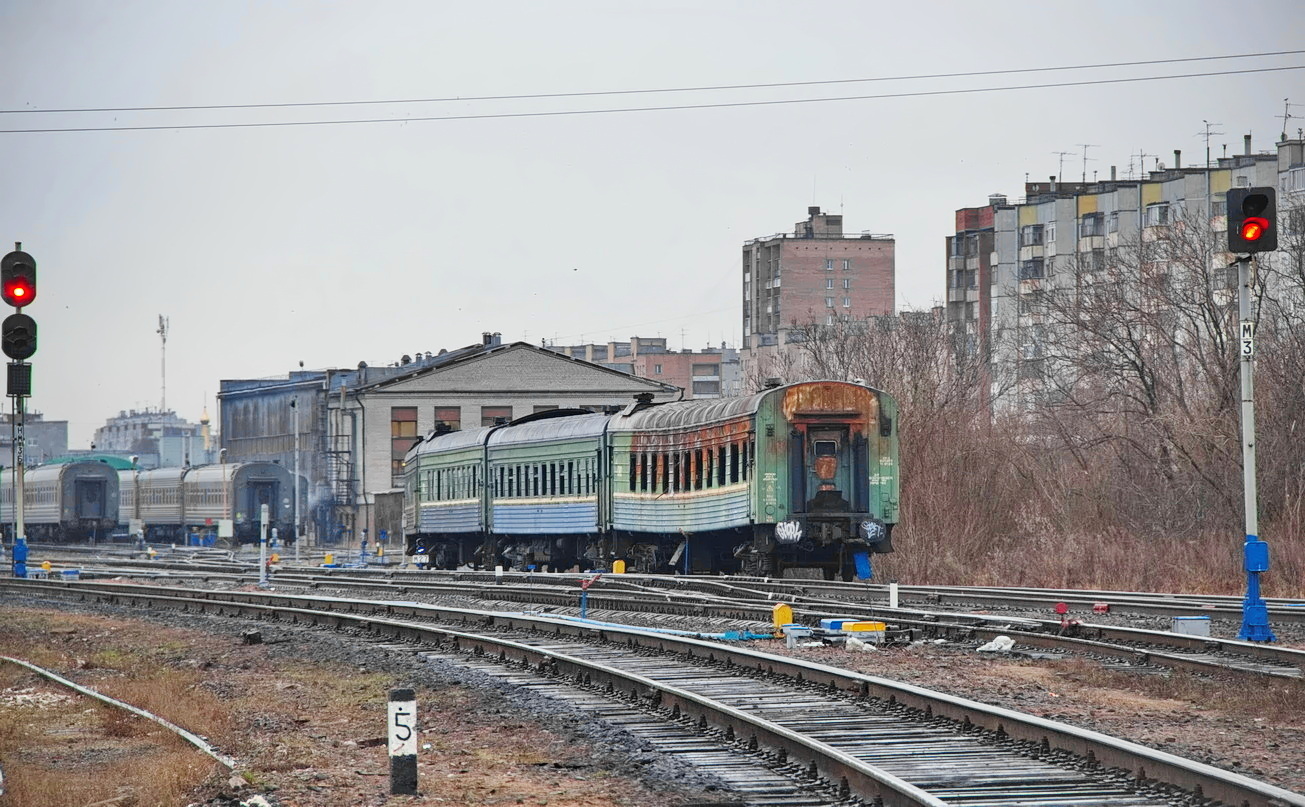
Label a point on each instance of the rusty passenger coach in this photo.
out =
(795, 480)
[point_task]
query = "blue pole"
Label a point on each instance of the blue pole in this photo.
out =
(1255, 611)
(20, 557)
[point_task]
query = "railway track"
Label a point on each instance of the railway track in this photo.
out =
(862, 736)
(731, 600)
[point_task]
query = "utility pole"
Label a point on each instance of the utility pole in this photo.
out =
(294, 406)
(163, 352)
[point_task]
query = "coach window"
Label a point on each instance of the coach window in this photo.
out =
(403, 432)
(552, 479)
(450, 416)
(697, 469)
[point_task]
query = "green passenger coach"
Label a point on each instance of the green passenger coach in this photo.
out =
(798, 480)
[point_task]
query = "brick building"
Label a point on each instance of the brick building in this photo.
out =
(815, 276)
(708, 373)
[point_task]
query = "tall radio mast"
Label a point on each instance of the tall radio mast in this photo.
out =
(163, 350)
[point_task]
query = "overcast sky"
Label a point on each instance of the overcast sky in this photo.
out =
(333, 244)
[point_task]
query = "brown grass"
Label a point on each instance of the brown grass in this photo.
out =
(1248, 697)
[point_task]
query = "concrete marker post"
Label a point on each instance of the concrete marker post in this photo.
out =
(262, 546)
(402, 724)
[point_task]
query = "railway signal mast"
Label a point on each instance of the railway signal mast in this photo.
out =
(1252, 228)
(18, 339)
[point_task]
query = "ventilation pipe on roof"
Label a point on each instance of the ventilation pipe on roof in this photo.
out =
(1112, 173)
(1178, 159)
(1246, 144)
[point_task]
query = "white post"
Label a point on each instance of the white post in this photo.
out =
(262, 546)
(297, 533)
(402, 722)
(892, 595)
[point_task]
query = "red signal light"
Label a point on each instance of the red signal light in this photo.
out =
(18, 292)
(1254, 227)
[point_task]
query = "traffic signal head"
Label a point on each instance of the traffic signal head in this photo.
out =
(18, 279)
(18, 336)
(1252, 220)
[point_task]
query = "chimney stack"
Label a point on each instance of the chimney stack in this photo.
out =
(1178, 159)
(1053, 183)
(1246, 139)
(1112, 173)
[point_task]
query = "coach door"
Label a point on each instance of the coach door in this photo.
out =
(90, 499)
(259, 494)
(829, 469)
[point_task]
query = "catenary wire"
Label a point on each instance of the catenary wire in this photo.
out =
(708, 88)
(667, 108)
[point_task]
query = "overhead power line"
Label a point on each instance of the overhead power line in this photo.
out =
(666, 108)
(708, 88)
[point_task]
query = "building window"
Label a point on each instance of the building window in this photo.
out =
(847, 264)
(1157, 215)
(1031, 235)
(450, 416)
(829, 319)
(1112, 222)
(829, 264)
(700, 370)
(490, 415)
(847, 302)
(847, 282)
(1051, 233)
(1031, 269)
(829, 282)
(705, 388)
(403, 433)
(1091, 224)
(829, 302)
(657, 369)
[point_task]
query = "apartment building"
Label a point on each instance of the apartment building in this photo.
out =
(1062, 233)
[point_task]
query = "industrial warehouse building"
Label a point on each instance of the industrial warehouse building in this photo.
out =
(355, 426)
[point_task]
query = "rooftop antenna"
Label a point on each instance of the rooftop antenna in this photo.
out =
(1085, 147)
(1060, 172)
(1286, 116)
(1141, 161)
(1207, 133)
(163, 355)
